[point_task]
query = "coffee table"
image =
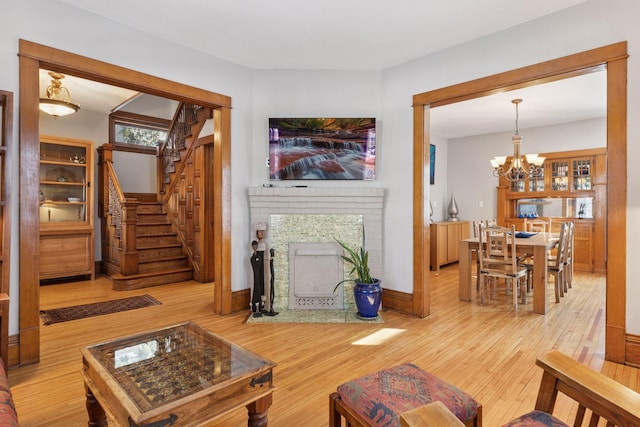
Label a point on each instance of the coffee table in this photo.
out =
(181, 375)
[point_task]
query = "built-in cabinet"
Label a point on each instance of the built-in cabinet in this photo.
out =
(572, 187)
(445, 242)
(66, 208)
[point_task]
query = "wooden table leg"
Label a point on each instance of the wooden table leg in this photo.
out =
(464, 272)
(258, 411)
(97, 417)
(540, 266)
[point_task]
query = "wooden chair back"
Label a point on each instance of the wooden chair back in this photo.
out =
(537, 225)
(497, 249)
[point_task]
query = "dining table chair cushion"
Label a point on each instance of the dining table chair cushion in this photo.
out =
(536, 419)
(381, 397)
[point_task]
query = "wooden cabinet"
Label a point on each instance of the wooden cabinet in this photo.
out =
(66, 208)
(573, 187)
(583, 243)
(445, 242)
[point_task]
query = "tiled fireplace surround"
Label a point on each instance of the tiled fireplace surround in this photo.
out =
(314, 215)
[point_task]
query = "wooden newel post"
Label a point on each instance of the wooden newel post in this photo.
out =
(105, 154)
(129, 255)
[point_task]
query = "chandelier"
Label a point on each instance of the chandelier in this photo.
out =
(58, 101)
(521, 167)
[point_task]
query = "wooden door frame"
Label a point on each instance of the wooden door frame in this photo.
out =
(32, 57)
(614, 57)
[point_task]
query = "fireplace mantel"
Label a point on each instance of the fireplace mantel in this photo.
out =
(367, 202)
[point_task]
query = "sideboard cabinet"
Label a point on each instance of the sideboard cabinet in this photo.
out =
(445, 242)
(572, 187)
(66, 208)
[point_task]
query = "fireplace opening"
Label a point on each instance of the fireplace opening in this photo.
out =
(314, 271)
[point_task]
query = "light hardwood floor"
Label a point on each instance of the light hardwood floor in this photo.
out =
(486, 350)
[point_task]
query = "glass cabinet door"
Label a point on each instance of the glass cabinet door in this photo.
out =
(560, 175)
(537, 184)
(517, 186)
(581, 174)
(63, 183)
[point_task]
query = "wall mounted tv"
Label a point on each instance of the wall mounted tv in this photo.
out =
(322, 148)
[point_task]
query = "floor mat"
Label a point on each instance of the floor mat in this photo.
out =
(64, 314)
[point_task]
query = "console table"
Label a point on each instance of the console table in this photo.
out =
(445, 242)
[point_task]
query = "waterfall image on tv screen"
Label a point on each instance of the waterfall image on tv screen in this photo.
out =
(322, 148)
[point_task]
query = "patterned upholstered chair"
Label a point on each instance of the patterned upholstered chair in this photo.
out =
(379, 399)
(599, 399)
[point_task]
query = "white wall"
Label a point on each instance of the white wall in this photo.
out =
(470, 175)
(387, 95)
(137, 172)
(438, 193)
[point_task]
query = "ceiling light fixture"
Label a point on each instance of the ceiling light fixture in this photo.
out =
(58, 101)
(521, 167)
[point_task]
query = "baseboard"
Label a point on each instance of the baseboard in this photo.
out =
(398, 301)
(14, 351)
(632, 350)
(241, 300)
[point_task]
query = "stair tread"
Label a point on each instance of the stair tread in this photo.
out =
(119, 276)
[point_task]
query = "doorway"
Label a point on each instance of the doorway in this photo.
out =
(614, 57)
(33, 57)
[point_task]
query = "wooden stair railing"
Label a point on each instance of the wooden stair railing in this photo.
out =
(184, 129)
(119, 252)
(173, 158)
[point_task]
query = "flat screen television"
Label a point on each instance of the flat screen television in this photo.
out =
(322, 148)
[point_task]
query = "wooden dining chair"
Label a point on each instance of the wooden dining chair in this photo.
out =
(568, 262)
(497, 253)
(557, 262)
(476, 233)
(537, 225)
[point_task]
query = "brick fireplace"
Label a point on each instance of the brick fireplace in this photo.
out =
(301, 226)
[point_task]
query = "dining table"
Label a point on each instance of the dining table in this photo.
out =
(536, 245)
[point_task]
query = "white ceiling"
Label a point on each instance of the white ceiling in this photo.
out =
(327, 34)
(352, 35)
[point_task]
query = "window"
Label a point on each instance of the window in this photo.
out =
(136, 132)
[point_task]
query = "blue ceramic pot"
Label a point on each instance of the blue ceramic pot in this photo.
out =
(367, 297)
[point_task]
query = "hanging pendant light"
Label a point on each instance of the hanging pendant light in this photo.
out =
(521, 167)
(58, 101)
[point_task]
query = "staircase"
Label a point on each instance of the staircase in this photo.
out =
(155, 239)
(161, 259)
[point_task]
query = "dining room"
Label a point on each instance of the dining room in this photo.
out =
(569, 186)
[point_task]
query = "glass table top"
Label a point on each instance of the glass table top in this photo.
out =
(164, 365)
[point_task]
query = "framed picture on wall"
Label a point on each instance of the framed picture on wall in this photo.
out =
(432, 163)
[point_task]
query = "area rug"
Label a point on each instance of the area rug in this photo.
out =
(75, 312)
(313, 316)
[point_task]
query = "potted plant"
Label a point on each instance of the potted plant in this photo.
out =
(367, 291)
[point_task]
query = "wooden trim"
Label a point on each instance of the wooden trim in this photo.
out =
(632, 356)
(614, 57)
(544, 72)
(241, 300)
(222, 211)
(398, 301)
(616, 258)
(6, 100)
(29, 218)
(87, 68)
(421, 247)
(32, 56)
(14, 350)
